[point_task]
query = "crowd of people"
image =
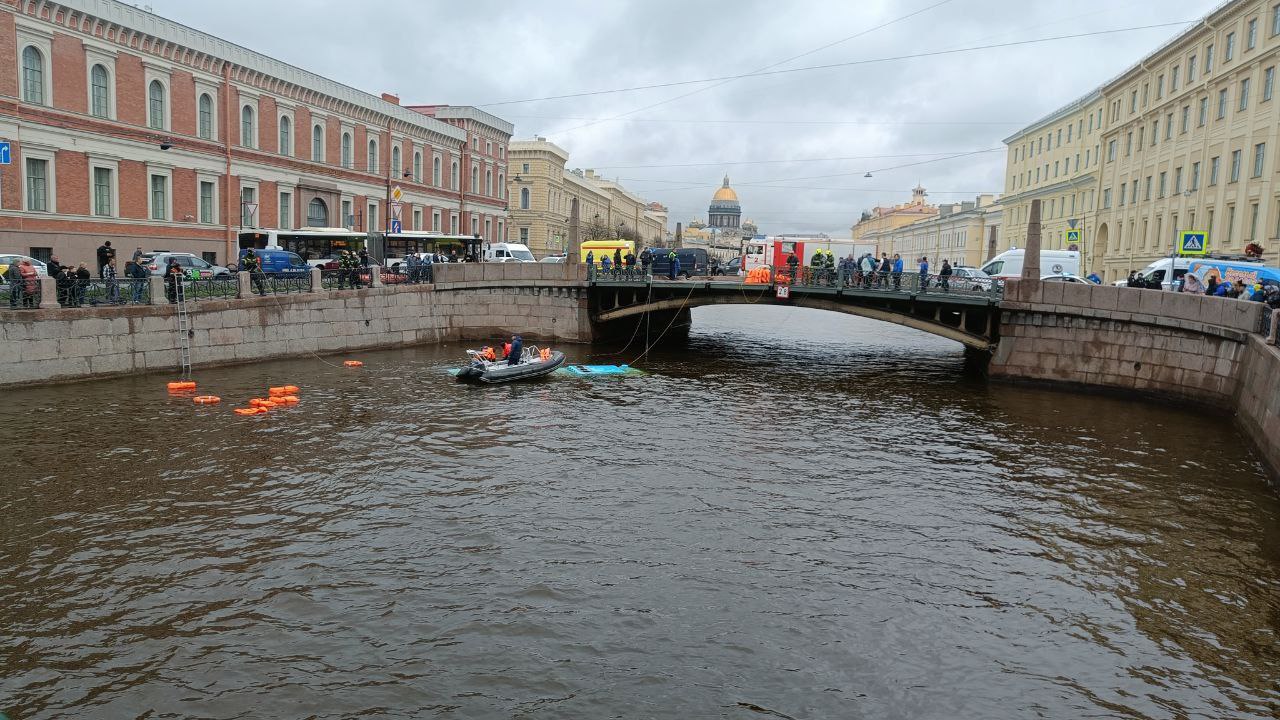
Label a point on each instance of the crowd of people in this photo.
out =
(867, 271)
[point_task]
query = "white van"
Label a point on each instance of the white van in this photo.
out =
(1159, 271)
(1008, 264)
(507, 252)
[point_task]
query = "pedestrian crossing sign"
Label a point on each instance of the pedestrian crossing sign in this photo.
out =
(1193, 242)
(1074, 236)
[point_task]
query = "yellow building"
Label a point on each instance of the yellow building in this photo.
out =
(541, 191)
(966, 233)
(880, 219)
(1180, 141)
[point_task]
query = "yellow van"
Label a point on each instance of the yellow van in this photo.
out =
(600, 248)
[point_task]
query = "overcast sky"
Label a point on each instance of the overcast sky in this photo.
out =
(826, 127)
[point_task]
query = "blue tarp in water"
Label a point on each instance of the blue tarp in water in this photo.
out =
(591, 370)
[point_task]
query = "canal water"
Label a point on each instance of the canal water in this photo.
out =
(795, 514)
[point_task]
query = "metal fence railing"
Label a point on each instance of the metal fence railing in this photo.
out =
(404, 274)
(343, 279)
(20, 295)
(100, 291)
(836, 278)
(218, 287)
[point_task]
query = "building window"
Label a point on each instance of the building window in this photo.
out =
(159, 197)
(371, 162)
(1146, 188)
(286, 135)
(1251, 35)
(1133, 102)
(317, 213)
(99, 92)
(1204, 111)
(1214, 165)
(475, 179)
(346, 150)
(1235, 165)
(285, 221)
(502, 186)
(524, 198)
(248, 207)
(1160, 87)
(32, 75)
(1244, 94)
(204, 127)
(1222, 103)
(1268, 83)
(1177, 180)
(524, 236)
(488, 183)
(37, 184)
(395, 162)
(1231, 223)
(417, 219)
(1275, 29)
(1253, 222)
(371, 217)
(1111, 151)
(1195, 175)
(1164, 177)
(453, 176)
(453, 224)
(435, 172)
(1230, 51)
(1106, 199)
(435, 221)
(347, 220)
(475, 226)
(524, 167)
(1259, 158)
(1173, 78)
(1168, 126)
(1123, 188)
(1186, 118)
(206, 201)
(247, 134)
(155, 105)
(1191, 69)
(103, 204)
(317, 143)
(417, 167)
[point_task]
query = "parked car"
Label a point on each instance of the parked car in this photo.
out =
(1064, 277)
(7, 260)
(555, 259)
(971, 277)
(279, 262)
(693, 261)
(157, 260)
(1008, 264)
(733, 267)
(507, 252)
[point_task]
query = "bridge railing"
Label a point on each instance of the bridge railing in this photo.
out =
(827, 278)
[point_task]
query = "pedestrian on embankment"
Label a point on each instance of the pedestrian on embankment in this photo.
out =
(924, 272)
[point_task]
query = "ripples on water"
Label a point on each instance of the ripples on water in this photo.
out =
(797, 513)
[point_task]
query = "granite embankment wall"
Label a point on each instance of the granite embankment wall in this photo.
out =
(1156, 343)
(545, 302)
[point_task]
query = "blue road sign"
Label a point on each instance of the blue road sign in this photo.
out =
(1074, 236)
(397, 226)
(1193, 243)
(5, 158)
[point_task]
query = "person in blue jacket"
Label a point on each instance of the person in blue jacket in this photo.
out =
(517, 350)
(897, 271)
(924, 273)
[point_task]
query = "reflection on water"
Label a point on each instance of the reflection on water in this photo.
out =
(796, 512)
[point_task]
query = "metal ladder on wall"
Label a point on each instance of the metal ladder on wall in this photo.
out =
(184, 330)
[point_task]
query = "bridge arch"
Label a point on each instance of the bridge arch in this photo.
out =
(972, 326)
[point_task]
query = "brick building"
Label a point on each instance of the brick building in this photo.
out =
(130, 127)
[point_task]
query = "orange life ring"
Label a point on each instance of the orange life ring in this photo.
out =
(352, 363)
(250, 411)
(183, 385)
(277, 391)
(262, 403)
(286, 399)
(290, 389)
(206, 399)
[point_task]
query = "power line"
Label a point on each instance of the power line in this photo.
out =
(720, 163)
(761, 69)
(830, 66)
(695, 121)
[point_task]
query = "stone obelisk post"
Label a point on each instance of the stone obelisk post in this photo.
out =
(1031, 258)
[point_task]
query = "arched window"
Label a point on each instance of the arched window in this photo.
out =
(488, 183)
(346, 150)
(286, 135)
(524, 198)
(502, 186)
(317, 213)
(372, 164)
(155, 105)
(475, 179)
(247, 133)
(32, 75)
(205, 127)
(99, 92)
(453, 177)
(317, 144)
(395, 162)
(435, 172)
(417, 167)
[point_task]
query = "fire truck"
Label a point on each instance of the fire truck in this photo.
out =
(773, 250)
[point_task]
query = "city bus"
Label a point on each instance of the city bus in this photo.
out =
(393, 248)
(318, 246)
